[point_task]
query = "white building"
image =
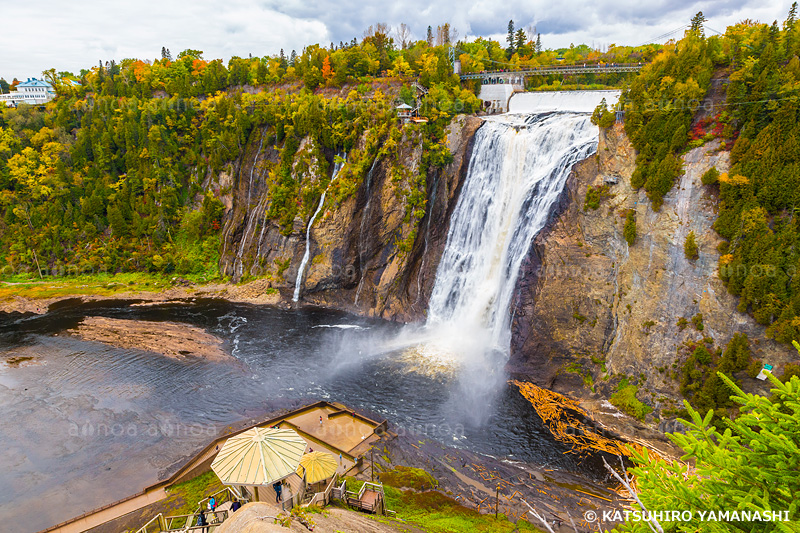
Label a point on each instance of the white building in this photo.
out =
(495, 97)
(32, 92)
(404, 112)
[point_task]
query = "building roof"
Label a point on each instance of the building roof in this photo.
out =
(33, 82)
(403, 106)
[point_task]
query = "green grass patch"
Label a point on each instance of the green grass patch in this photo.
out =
(625, 400)
(188, 493)
(438, 513)
(409, 477)
(433, 511)
(87, 285)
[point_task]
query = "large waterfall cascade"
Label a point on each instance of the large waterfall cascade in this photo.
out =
(518, 169)
(298, 284)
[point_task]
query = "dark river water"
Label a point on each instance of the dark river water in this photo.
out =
(84, 424)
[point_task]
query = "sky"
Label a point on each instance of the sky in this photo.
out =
(77, 34)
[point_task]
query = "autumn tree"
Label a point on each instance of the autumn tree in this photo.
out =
(52, 78)
(327, 71)
(191, 54)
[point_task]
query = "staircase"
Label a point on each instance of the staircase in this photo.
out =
(370, 498)
(186, 523)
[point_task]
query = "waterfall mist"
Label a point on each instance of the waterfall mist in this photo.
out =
(518, 169)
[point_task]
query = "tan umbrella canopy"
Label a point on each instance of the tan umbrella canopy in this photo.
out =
(317, 466)
(259, 456)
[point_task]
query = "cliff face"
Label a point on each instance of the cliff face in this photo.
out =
(587, 297)
(355, 263)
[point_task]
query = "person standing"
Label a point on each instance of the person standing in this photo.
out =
(277, 487)
(201, 521)
(212, 510)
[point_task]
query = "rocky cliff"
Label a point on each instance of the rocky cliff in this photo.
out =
(356, 263)
(590, 307)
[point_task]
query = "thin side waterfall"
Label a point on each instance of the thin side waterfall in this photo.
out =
(299, 281)
(364, 216)
(255, 161)
(239, 266)
(432, 201)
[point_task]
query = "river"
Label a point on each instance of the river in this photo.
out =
(85, 424)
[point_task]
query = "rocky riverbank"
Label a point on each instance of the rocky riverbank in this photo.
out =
(259, 292)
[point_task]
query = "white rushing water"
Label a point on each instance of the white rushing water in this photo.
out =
(571, 101)
(518, 169)
(298, 284)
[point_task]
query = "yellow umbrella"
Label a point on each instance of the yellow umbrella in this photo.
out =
(259, 456)
(317, 466)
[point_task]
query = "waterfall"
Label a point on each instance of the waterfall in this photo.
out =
(299, 281)
(432, 201)
(518, 169)
(238, 263)
(364, 216)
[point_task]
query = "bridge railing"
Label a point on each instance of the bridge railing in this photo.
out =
(558, 69)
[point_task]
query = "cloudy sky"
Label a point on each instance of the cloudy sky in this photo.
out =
(35, 36)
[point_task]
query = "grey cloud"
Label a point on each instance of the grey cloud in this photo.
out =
(74, 35)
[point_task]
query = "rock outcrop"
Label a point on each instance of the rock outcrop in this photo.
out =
(587, 299)
(172, 339)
